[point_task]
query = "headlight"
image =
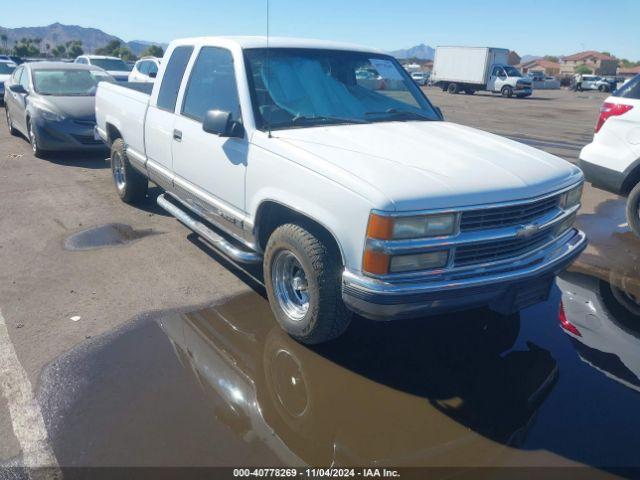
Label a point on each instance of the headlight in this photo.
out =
(421, 261)
(571, 198)
(420, 226)
(50, 116)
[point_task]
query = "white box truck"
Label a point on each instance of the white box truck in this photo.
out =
(469, 69)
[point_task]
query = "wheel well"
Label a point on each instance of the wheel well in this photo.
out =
(271, 215)
(632, 179)
(112, 133)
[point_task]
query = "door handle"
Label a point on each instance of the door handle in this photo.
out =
(177, 135)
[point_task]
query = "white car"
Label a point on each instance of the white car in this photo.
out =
(116, 67)
(421, 78)
(145, 70)
(354, 199)
(612, 160)
(6, 69)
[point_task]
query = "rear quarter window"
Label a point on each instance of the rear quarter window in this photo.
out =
(630, 90)
(172, 77)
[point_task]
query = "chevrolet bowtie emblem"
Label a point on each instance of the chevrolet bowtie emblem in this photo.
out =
(526, 231)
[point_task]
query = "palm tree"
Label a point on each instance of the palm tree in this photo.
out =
(38, 41)
(4, 38)
(47, 47)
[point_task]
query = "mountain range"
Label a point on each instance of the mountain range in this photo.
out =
(57, 33)
(422, 52)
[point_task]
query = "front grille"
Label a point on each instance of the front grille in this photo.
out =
(85, 123)
(500, 249)
(87, 139)
(507, 216)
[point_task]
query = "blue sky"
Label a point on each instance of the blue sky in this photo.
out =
(530, 27)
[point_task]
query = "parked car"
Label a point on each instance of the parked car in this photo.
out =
(421, 78)
(594, 82)
(6, 69)
(145, 70)
(612, 160)
(353, 199)
(470, 69)
(12, 58)
(114, 66)
(52, 104)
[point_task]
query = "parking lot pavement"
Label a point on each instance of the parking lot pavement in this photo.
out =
(78, 263)
(557, 121)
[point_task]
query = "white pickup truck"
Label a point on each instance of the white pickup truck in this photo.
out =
(355, 195)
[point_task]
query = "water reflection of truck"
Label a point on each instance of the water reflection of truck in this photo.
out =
(425, 406)
(471, 69)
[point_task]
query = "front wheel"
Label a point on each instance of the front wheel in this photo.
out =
(603, 88)
(507, 92)
(34, 140)
(633, 210)
(453, 88)
(303, 278)
(130, 184)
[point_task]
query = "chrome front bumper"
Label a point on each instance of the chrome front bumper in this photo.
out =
(508, 288)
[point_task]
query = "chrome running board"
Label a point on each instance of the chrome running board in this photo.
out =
(205, 232)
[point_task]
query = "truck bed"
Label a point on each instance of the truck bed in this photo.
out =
(123, 106)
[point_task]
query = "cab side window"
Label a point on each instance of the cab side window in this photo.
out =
(153, 68)
(172, 78)
(212, 85)
(143, 67)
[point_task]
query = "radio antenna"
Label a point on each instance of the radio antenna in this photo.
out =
(268, 73)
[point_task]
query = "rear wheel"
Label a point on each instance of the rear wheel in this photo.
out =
(507, 92)
(12, 129)
(603, 88)
(633, 210)
(130, 184)
(452, 88)
(303, 278)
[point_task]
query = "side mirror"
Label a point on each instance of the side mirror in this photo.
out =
(153, 74)
(222, 124)
(17, 88)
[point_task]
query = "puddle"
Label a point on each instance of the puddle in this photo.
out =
(110, 235)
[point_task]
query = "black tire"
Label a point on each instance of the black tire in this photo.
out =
(603, 88)
(316, 266)
(38, 152)
(452, 88)
(12, 129)
(633, 210)
(507, 91)
(130, 184)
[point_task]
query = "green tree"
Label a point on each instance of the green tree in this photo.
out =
(4, 38)
(74, 48)
(583, 69)
(551, 58)
(112, 48)
(126, 54)
(59, 51)
(153, 51)
(25, 48)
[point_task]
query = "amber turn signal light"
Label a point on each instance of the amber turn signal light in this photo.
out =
(380, 227)
(375, 262)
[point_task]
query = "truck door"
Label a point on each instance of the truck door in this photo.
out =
(158, 127)
(497, 79)
(210, 170)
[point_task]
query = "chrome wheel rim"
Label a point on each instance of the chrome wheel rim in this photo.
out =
(32, 138)
(119, 176)
(290, 285)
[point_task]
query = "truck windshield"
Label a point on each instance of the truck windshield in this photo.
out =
(308, 87)
(112, 64)
(512, 71)
(68, 82)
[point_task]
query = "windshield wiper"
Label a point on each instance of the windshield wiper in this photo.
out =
(401, 111)
(330, 118)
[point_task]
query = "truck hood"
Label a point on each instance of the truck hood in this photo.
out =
(430, 165)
